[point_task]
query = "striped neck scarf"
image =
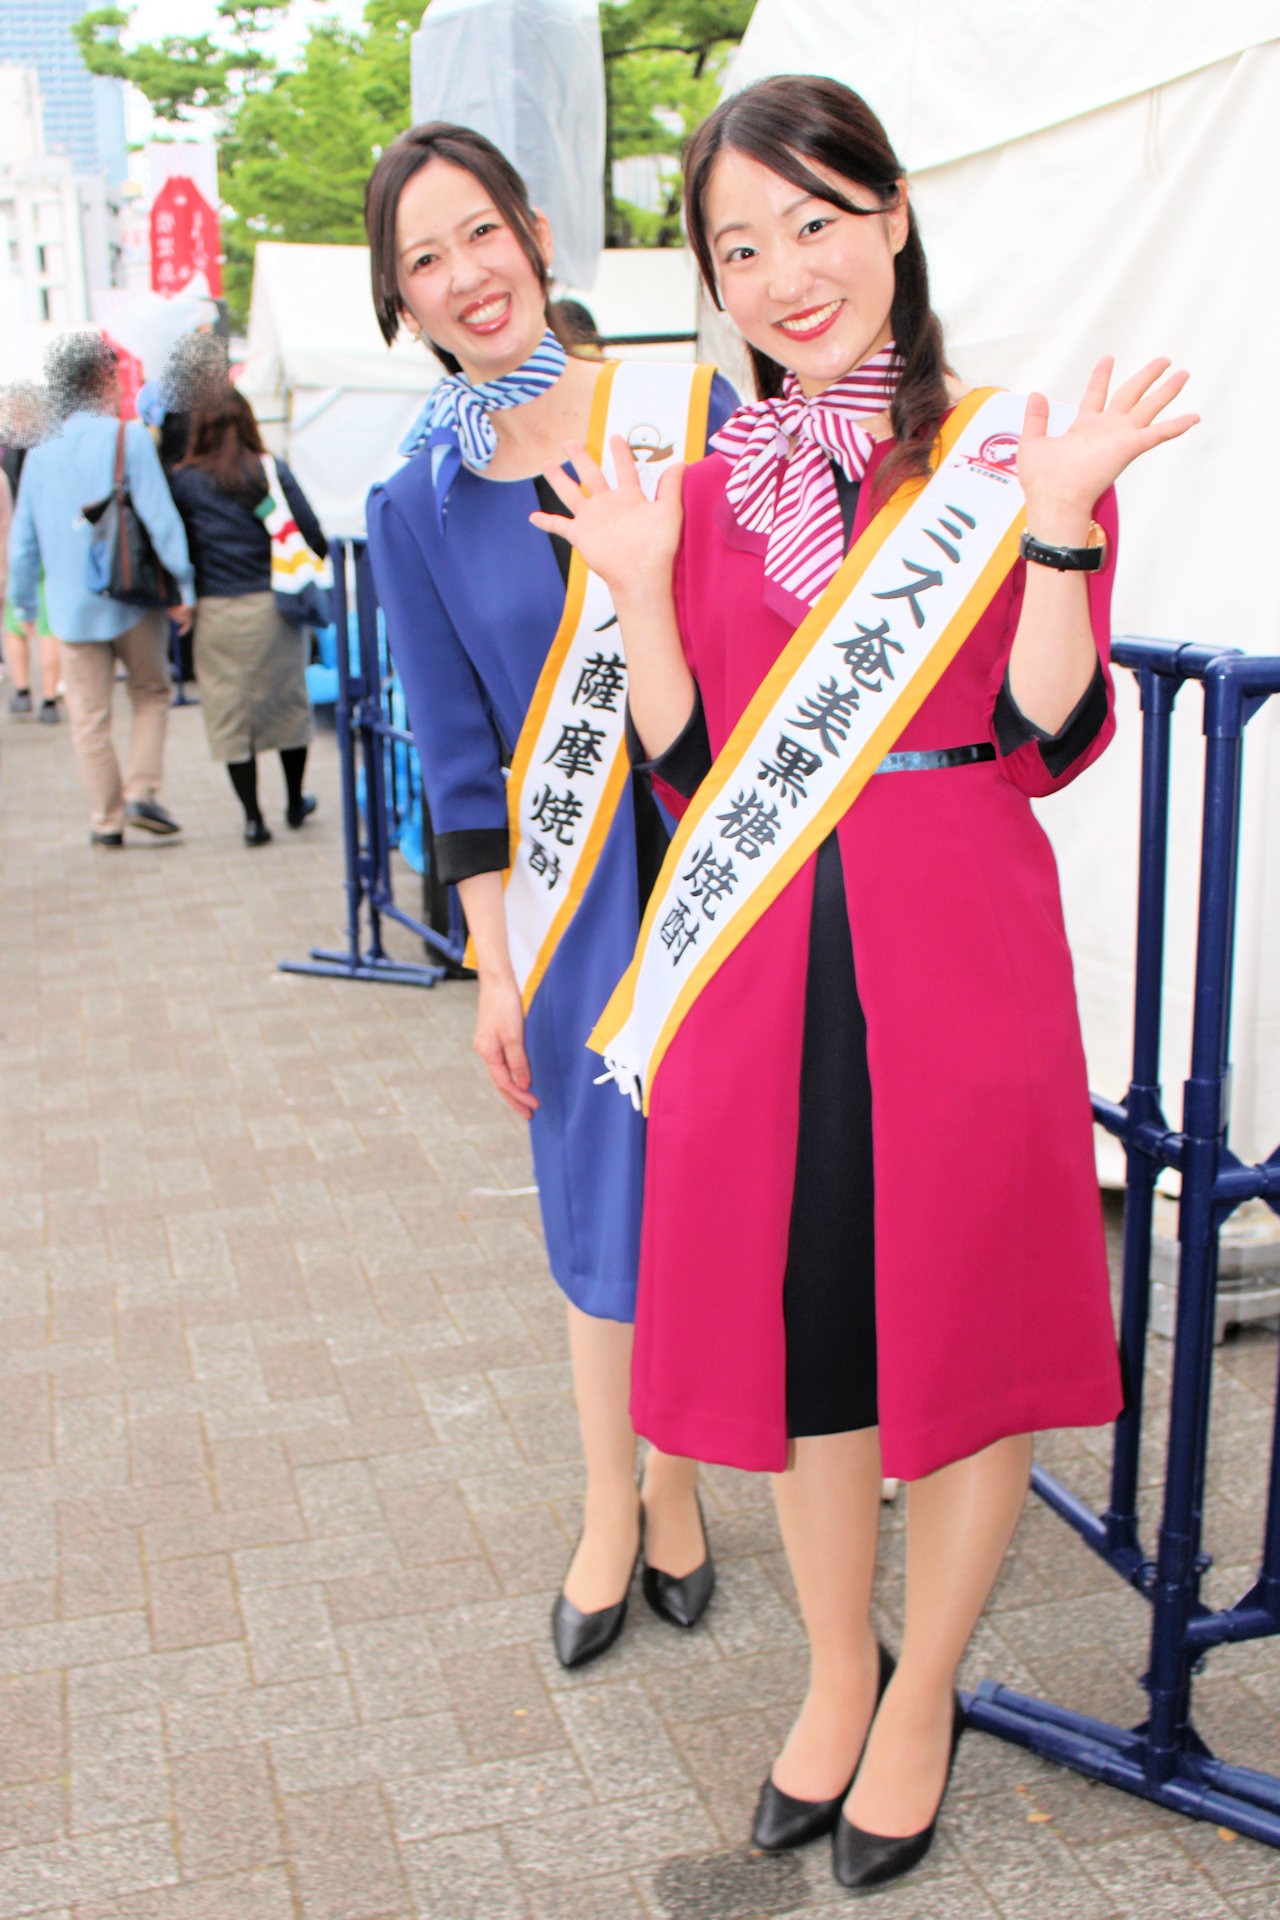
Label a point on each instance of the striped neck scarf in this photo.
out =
(457, 424)
(792, 495)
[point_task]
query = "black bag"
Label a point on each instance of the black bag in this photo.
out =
(123, 565)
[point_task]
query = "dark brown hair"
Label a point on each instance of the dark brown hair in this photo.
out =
(463, 147)
(791, 124)
(225, 441)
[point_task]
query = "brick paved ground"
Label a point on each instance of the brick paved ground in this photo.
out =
(287, 1474)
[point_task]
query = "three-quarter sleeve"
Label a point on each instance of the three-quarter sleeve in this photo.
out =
(1037, 762)
(676, 773)
(453, 728)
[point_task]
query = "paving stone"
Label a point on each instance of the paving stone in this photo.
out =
(31, 1813)
(466, 1876)
(225, 1812)
(193, 1603)
(33, 1742)
(502, 1705)
(265, 1895)
(353, 1756)
(395, 1667)
(349, 1556)
(121, 1861)
(118, 1772)
(122, 1686)
(26, 1423)
(259, 1713)
(345, 1861)
(339, 1498)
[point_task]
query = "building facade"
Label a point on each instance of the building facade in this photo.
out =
(83, 112)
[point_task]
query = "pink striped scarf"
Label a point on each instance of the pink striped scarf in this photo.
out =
(794, 499)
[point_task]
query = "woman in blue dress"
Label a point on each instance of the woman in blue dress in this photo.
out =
(473, 597)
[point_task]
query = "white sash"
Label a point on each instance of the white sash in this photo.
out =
(850, 679)
(570, 765)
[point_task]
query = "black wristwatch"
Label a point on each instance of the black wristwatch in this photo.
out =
(1086, 559)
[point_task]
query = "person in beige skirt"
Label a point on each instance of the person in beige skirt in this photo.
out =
(250, 662)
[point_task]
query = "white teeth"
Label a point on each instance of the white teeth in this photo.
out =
(481, 316)
(810, 320)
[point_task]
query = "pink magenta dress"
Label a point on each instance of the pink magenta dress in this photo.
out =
(992, 1309)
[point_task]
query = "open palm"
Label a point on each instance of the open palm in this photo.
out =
(1078, 466)
(622, 534)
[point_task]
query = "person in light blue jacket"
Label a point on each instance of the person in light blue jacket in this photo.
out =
(72, 469)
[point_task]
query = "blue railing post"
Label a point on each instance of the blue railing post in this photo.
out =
(1165, 1760)
(360, 728)
(1143, 1101)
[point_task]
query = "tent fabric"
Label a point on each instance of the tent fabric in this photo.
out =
(1082, 202)
(954, 77)
(330, 396)
(528, 74)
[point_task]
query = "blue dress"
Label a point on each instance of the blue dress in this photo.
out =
(473, 597)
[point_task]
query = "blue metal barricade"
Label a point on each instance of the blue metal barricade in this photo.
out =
(381, 796)
(1164, 1759)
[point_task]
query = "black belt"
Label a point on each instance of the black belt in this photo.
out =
(937, 757)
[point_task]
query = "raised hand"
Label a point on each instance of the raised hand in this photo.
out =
(623, 535)
(1064, 476)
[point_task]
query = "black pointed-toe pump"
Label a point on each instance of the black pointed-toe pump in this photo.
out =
(781, 1821)
(874, 1859)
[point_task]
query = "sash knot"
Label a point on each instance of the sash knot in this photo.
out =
(781, 483)
(456, 424)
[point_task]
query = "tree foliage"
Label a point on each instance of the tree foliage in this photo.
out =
(295, 144)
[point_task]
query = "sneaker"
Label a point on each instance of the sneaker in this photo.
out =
(151, 817)
(106, 839)
(48, 714)
(20, 702)
(306, 806)
(256, 832)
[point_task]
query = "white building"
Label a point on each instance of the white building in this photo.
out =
(59, 232)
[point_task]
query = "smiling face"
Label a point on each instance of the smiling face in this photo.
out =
(807, 283)
(464, 277)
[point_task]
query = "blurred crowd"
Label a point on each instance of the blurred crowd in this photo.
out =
(190, 490)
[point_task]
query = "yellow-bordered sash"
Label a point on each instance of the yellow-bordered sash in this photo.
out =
(570, 765)
(849, 680)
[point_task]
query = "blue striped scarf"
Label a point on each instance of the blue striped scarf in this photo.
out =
(456, 424)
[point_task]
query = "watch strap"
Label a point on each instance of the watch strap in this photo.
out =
(1087, 559)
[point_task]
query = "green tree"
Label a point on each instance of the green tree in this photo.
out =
(663, 64)
(295, 146)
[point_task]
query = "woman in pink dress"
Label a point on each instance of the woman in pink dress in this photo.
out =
(872, 1238)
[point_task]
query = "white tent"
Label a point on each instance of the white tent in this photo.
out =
(332, 398)
(335, 401)
(1096, 178)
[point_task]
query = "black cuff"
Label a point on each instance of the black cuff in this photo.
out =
(460, 856)
(685, 764)
(1075, 736)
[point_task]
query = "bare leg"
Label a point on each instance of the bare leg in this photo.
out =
(17, 657)
(50, 665)
(960, 1521)
(829, 1511)
(598, 1573)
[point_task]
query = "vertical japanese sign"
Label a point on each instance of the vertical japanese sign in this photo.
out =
(185, 238)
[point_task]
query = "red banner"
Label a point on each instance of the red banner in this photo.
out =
(185, 238)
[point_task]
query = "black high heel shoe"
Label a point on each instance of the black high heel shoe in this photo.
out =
(873, 1859)
(579, 1637)
(782, 1821)
(682, 1599)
